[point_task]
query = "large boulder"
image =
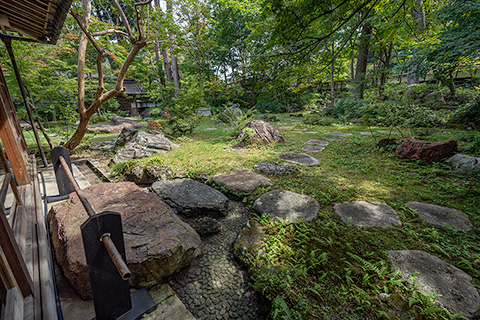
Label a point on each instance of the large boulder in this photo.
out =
(191, 198)
(430, 152)
(157, 242)
(259, 131)
(241, 181)
(287, 205)
(116, 125)
(141, 144)
(433, 275)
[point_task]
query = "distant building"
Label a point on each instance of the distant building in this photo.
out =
(133, 100)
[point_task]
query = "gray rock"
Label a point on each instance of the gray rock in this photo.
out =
(276, 169)
(313, 148)
(204, 112)
(457, 293)
(148, 174)
(366, 133)
(250, 240)
(339, 133)
(104, 146)
(169, 306)
(464, 163)
(317, 142)
(441, 216)
(142, 144)
(241, 181)
(116, 125)
(367, 214)
(299, 158)
(206, 226)
(191, 198)
(259, 131)
(287, 205)
(334, 138)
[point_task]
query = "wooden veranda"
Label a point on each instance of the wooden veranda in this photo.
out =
(26, 278)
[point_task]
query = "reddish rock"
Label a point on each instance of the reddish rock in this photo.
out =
(157, 242)
(430, 152)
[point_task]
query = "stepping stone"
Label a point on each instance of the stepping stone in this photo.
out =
(276, 169)
(469, 164)
(241, 181)
(367, 214)
(339, 133)
(313, 148)
(441, 216)
(366, 133)
(318, 142)
(287, 205)
(299, 158)
(299, 129)
(311, 132)
(388, 132)
(191, 198)
(285, 127)
(457, 293)
(335, 138)
(210, 128)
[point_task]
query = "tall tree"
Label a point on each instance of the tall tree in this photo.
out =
(418, 15)
(137, 43)
(362, 61)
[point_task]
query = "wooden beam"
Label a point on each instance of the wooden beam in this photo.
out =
(14, 257)
(14, 305)
(9, 135)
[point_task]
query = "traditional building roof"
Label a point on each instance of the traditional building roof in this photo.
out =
(38, 20)
(132, 87)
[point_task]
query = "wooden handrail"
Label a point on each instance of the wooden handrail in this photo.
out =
(6, 167)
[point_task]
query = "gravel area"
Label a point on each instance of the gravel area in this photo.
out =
(216, 286)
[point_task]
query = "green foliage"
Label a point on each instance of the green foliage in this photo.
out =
(271, 107)
(318, 120)
(122, 168)
(236, 118)
(347, 108)
(468, 114)
(192, 97)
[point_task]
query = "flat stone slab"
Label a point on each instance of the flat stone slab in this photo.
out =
(339, 133)
(287, 205)
(366, 133)
(209, 129)
(367, 214)
(300, 129)
(334, 138)
(311, 132)
(241, 181)
(299, 158)
(276, 169)
(441, 216)
(317, 142)
(169, 305)
(457, 294)
(313, 148)
(191, 198)
(388, 132)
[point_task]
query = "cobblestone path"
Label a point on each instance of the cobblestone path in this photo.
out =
(215, 286)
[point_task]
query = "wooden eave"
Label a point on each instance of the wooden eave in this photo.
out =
(40, 20)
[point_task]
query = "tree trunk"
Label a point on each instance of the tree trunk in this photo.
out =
(352, 63)
(166, 63)
(383, 75)
(161, 74)
(332, 77)
(418, 16)
(362, 61)
(175, 74)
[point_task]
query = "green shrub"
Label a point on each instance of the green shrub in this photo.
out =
(468, 114)
(272, 107)
(347, 108)
(318, 120)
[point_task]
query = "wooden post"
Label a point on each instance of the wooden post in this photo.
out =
(10, 137)
(8, 44)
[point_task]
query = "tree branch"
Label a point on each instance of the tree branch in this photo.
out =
(125, 21)
(109, 31)
(99, 54)
(140, 4)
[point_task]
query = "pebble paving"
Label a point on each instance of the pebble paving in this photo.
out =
(215, 286)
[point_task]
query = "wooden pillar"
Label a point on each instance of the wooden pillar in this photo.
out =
(11, 138)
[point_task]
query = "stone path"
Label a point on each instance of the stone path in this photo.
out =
(367, 214)
(215, 286)
(311, 148)
(317, 142)
(299, 158)
(441, 216)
